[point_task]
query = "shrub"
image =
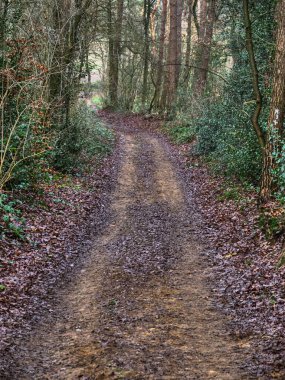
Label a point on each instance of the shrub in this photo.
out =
(85, 140)
(11, 221)
(180, 134)
(225, 136)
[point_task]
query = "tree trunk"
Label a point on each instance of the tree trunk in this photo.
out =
(156, 98)
(275, 131)
(179, 42)
(72, 42)
(188, 44)
(174, 56)
(170, 78)
(3, 21)
(115, 32)
(111, 92)
(57, 65)
(254, 74)
(147, 12)
(205, 35)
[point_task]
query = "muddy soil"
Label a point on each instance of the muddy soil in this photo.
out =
(141, 306)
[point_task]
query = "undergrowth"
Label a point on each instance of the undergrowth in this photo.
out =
(11, 222)
(179, 133)
(81, 148)
(84, 143)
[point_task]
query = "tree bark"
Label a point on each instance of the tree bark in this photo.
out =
(71, 49)
(254, 74)
(157, 94)
(147, 12)
(275, 130)
(179, 12)
(57, 64)
(188, 43)
(65, 49)
(111, 92)
(205, 35)
(115, 31)
(174, 56)
(3, 21)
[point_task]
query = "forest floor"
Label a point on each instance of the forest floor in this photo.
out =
(141, 303)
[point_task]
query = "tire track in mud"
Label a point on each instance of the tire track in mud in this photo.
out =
(141, 307)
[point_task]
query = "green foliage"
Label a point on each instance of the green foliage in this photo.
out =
(180, 132)
(24, 124)
(230, 193)
(85, 141)
(30, 173)
(12, 221)
(225, 136)
(97, 101)
(221, 118)
(272, 222)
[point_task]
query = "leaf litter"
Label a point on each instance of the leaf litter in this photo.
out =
(249, 286)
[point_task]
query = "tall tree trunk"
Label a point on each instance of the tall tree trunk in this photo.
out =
(111, 85)
(170, 72)
(275, 132)
(72, 43)
(254, 74)
(3, 21)
(152, 27)
(178, 63)
(188, 44)
(115, 31)
(156, 98)
(62, 66)
(57, 64)
(261, 137)
(146, 16)
(174, 55)
(205, 35)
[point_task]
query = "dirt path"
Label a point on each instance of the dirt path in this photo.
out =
(141, 307)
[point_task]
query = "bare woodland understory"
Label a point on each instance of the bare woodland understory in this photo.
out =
(142, 179)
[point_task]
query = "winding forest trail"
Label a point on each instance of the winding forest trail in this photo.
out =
(141, 306)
